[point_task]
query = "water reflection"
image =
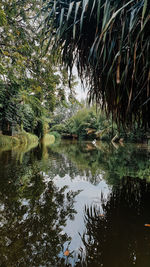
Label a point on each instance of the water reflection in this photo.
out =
(117, 236)
(33, 213)
(128, 160)
(75, 197)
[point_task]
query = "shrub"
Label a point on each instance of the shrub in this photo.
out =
(48, 139)
(56, 135)
(60, 128)
(22, 138)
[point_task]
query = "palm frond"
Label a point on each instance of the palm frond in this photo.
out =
(110, 42)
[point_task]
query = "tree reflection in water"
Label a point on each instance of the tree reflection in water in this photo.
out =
(34, 211)
(32, 216)
(118, 236)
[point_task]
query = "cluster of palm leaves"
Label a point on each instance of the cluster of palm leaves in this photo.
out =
(109, 40)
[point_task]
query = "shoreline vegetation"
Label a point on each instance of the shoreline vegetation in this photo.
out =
(89, 124)
(48, 139)
(24, 139)
(19, 139)
(23, 143)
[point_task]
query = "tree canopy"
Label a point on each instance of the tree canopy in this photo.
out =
(109, 40)
(31, 84)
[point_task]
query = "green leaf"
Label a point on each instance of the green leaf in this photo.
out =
(84, 7)
(144, 9)
(70, 10)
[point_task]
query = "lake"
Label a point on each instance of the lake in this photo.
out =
(75, 204)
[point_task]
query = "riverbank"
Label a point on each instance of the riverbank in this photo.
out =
(48, 139)
(25, 139)
(21, 138)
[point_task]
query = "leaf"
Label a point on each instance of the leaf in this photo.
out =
(84, 8)
(92, 8)
(74, 31)
(70, 10)
(114, 16)
(118, 70)
(61, 16)
(66, 253)
(106, 14)
(76, 12)
(144, 9)
(98, 12)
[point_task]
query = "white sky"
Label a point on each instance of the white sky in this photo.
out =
(80, 92)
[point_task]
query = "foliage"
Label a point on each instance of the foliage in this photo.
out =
(56, 135)
(8, 140)
(27, 138)
(31, 84)
(109, 41)
(21, 138)
(48, 139)
(60, 128)
(86, 123)
(65, 110)
(34, 215)
(112, 162)
(91, 123)
(78, 124)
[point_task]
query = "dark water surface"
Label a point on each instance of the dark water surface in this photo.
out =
(75, 204)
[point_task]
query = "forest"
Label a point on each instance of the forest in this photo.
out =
(40, 43)
(32, 84)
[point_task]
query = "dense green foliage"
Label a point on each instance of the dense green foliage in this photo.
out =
(109, 41)
(31, 84)
(110, 160)
(91, 123)
(87, 123)
(22, 138)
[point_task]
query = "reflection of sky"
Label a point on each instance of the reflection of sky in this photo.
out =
(89, 195)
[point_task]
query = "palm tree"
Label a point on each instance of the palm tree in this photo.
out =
(109, 40)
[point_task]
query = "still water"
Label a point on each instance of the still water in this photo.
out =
(75, 204)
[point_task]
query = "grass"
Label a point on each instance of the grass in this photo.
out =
(48, 139)
(22, 138)
(8, 140)
(27, 138)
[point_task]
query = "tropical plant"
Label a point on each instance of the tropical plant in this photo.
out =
(30, 83)
(86, 123)
(109, 41)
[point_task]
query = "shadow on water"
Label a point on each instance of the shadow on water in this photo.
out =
(77, 198)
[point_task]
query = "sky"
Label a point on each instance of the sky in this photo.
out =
(80, 92)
